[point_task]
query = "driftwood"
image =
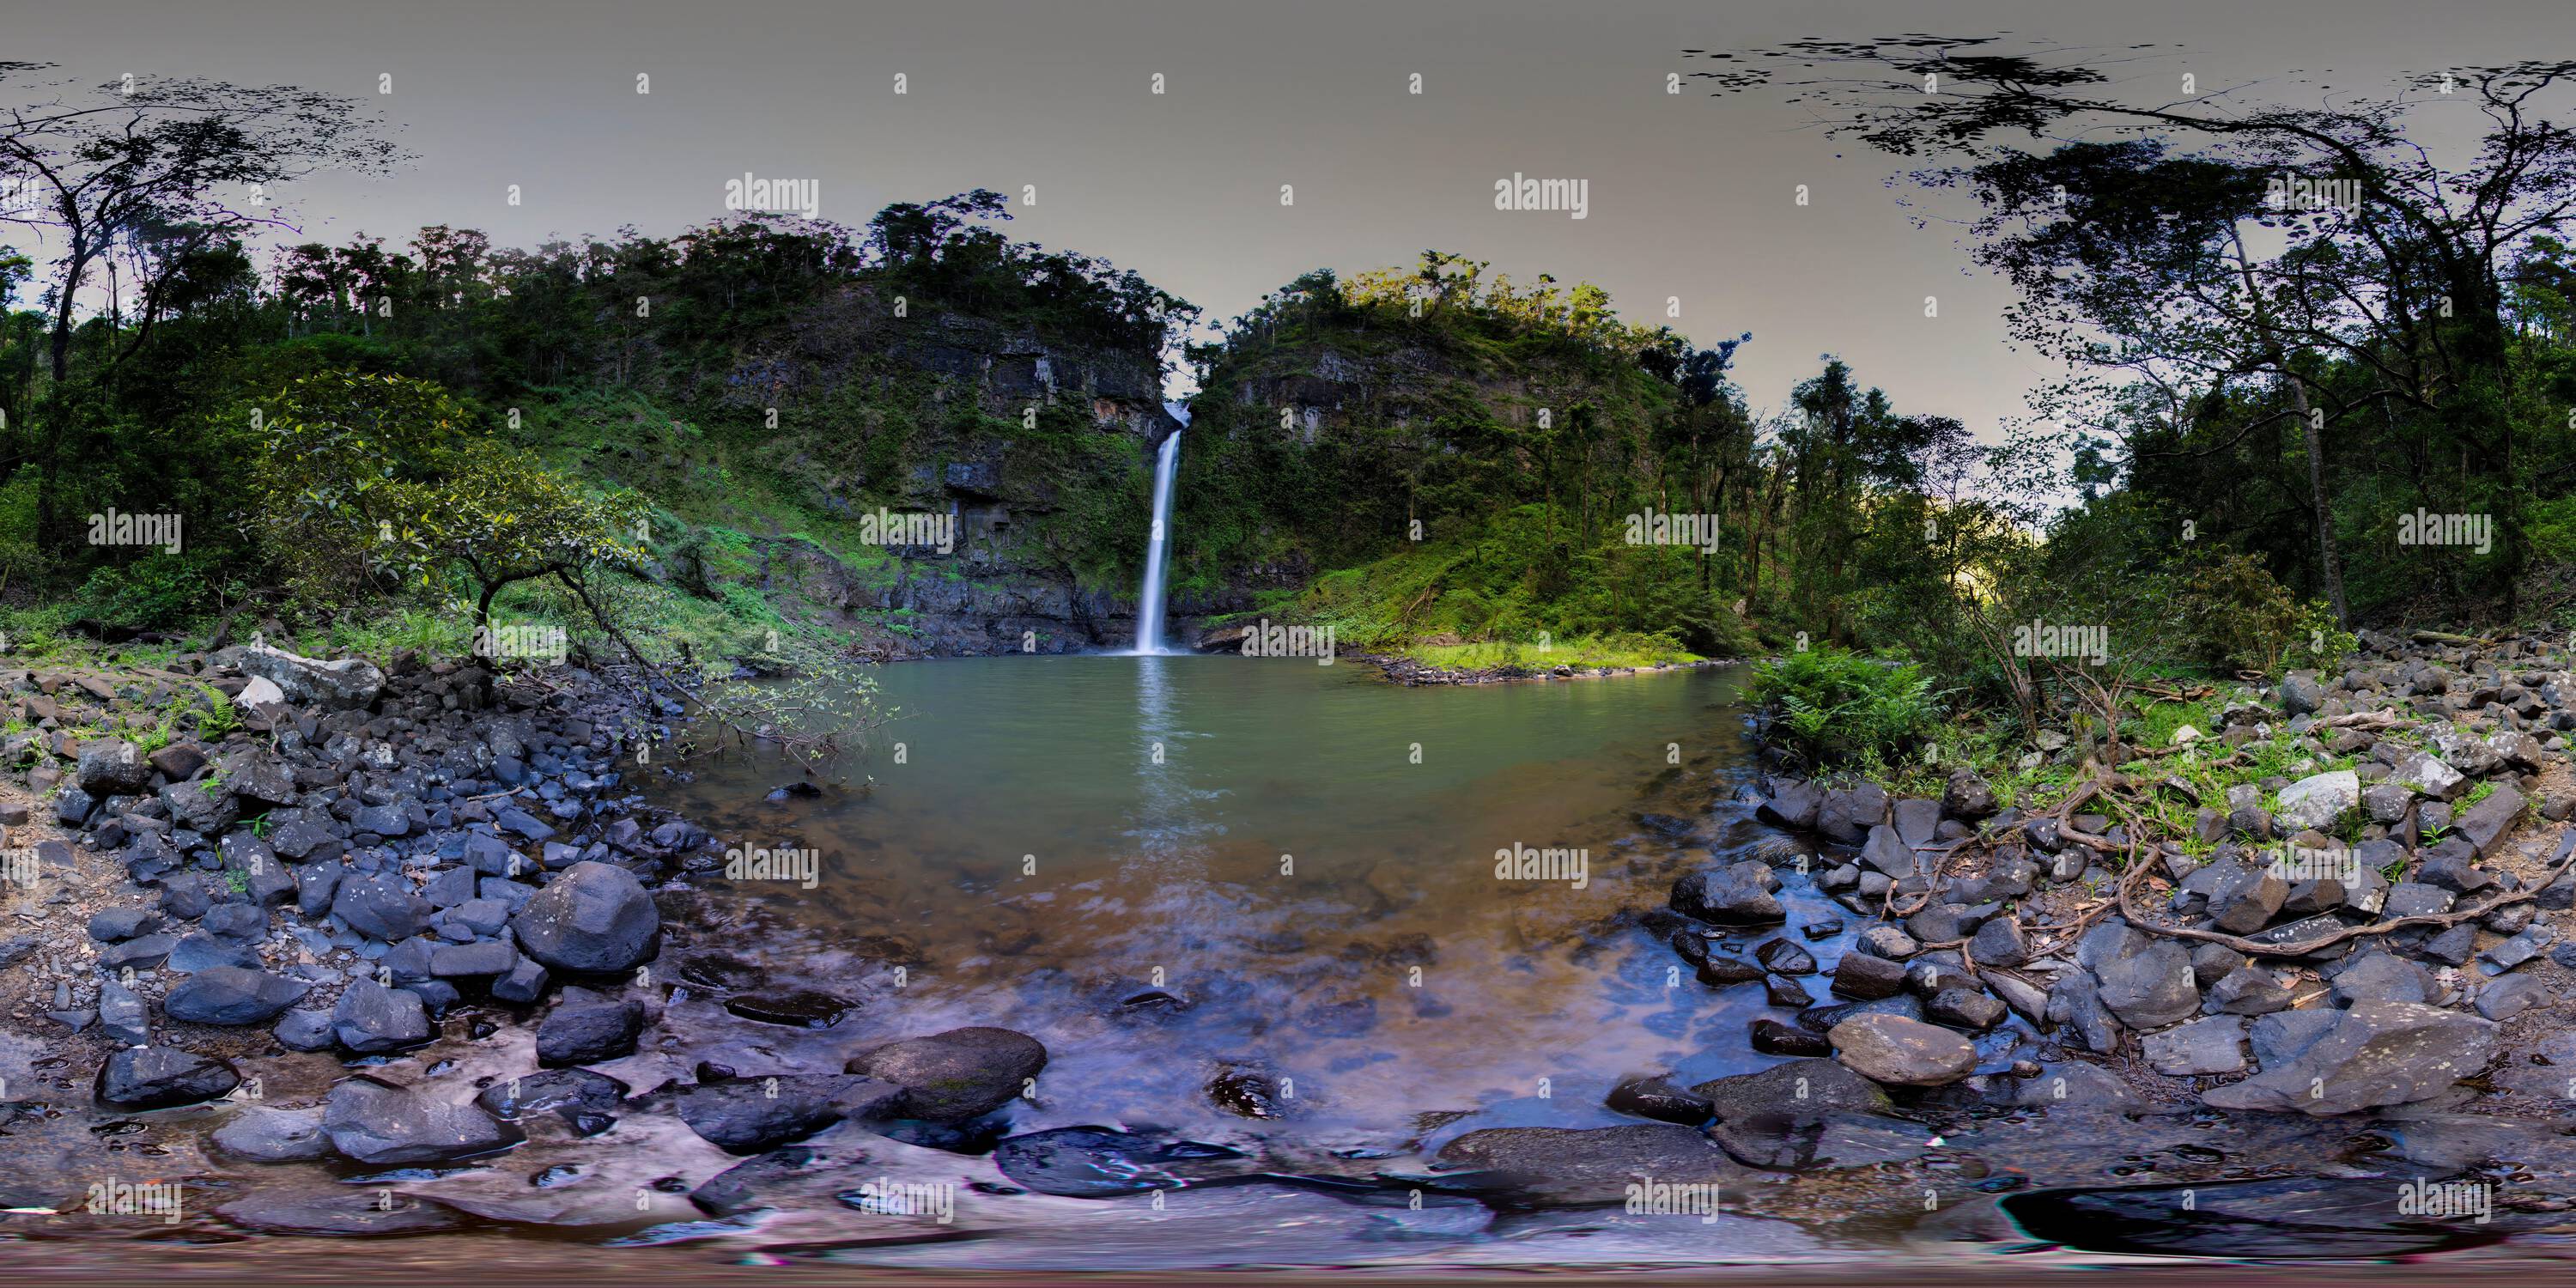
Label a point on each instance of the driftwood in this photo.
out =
(2566, 857)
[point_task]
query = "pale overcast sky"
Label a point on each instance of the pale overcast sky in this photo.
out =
(1689, 196)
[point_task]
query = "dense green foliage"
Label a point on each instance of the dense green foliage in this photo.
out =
(1836, 706)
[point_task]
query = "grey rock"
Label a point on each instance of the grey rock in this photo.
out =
(342, 685)
(753, 1115)
(122, 1014)
(2508, 996)
(112, 767)
(2248, 991)
(2318, 800)
(594, 918)
(231, 995)
(381, 905)
(2485, 824)
(1867, 978)
(956, 1075)
(2150, 988)
(304, 1030)
(1893, 1050)
(2075, 1003)
(159, 1077)
(1733, 894)
(2430, 775)
(2377, 1054)
(371, 1019)
(2208, 1046)
(2381, 977)
(587, 1027)
(467, 961)
(265, 1135)
(2000, 942)
(376, 1122)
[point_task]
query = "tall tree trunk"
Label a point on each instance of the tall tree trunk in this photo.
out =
(2331, 565)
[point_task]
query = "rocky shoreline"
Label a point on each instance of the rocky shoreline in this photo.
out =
(2323, 941)
(357, 864)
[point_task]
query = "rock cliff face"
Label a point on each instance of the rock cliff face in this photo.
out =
(1027, 446)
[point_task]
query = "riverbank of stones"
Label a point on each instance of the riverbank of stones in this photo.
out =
(2334, 939)
(332, 857)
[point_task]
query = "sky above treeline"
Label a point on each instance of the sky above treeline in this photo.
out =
(1686, 197)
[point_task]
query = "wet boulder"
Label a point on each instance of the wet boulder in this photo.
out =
(1573, 1165)
(1792, 804)
(2374, 1055)
(264, 1135)
(1659, 1099)
(956, 1075)
(750, 1115)
(376, 1122)
(158, 1077)
(593, 918)
(1736, 894)
(587, 1027)
(1897, 1051)
(1887, 852)
(1848, 813)
(1093, 1163)
(565, 1091)
(1867, 978)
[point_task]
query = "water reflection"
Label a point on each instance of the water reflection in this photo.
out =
(1390, 973)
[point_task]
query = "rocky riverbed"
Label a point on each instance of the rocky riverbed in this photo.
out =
(409, 952)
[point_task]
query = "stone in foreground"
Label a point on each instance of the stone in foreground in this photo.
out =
(2376, 1054)
(959, 1074)
(378, 1122)
(595, 919)
(1901, 1052)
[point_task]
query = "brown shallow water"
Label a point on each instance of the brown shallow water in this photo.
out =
(1307, 871)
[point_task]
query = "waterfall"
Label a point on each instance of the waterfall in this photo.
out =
(1149, 607)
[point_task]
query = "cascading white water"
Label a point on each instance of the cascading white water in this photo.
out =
(1149, 607)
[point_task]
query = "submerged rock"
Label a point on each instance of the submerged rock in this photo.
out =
(1095, 1162)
